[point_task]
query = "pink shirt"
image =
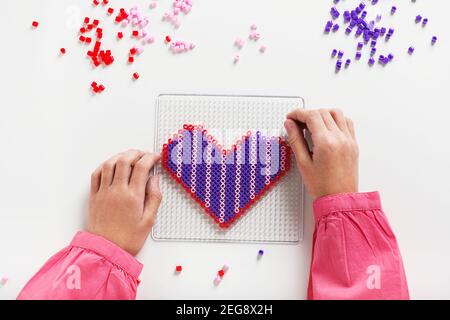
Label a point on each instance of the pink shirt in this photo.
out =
(355, 256)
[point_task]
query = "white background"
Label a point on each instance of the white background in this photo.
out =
(53, 133)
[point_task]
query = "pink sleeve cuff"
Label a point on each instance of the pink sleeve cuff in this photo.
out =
(109, 251)
(346, 202)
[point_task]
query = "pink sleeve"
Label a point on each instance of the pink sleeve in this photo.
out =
(355, 253)
(91, 267)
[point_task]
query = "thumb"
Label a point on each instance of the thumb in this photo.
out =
(153, 198)
(298, 143)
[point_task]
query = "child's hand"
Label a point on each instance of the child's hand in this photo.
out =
(124, 199)
(332, 167)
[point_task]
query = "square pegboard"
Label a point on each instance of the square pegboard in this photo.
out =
(276, 218)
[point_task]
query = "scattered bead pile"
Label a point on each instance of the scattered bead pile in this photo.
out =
(368, 31)
(184, 6)
(97, 88)
(181, 46)
(90, 33)
(253, 36)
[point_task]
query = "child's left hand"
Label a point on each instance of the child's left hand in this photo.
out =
(124, 199)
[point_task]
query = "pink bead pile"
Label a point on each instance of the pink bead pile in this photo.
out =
(179, 6)
(181, 46)
(253, 36)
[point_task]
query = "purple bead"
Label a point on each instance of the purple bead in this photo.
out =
(393, 9)
(364, 24)
(340, 54)
(373, 51)
(362, 5)
(433, 40)
(374, 2)
(418, 18)
(411, 50)
(347, 16)
(371, 61)
(390, 57)
(334, 53)
(424, 22)
(347, 62)
(335, 27)
(373, 43)
(334, 13)
(382, 31)
(338, 65)
(359, 46)
(358, 55)
(336, 1)
(363, 14)
(348, 30)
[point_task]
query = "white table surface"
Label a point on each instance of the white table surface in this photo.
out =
(53, 133)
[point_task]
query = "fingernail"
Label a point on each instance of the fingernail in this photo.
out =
(289, 125)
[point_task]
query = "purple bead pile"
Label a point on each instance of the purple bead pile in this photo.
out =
(369, 33)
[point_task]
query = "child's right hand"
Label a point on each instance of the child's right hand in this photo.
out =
(124, 199)
(332, 167)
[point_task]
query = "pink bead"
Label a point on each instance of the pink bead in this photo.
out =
(176, 11)
(263, 49)
(3, 280)
(253, 27)
(153, 4)
(254, 36)
(236, 59)
(239, 43)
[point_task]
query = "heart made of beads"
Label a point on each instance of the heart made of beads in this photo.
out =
(225, 183)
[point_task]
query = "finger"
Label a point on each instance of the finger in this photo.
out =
(311, 118)
(339, 119)
(351, 127)
(108, 169)
(95, 180)
(124, 166)
(328, 119)
(141, 171)
(298, 143)
(153, 198)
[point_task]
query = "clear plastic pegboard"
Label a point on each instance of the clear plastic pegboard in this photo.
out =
(276, 218)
